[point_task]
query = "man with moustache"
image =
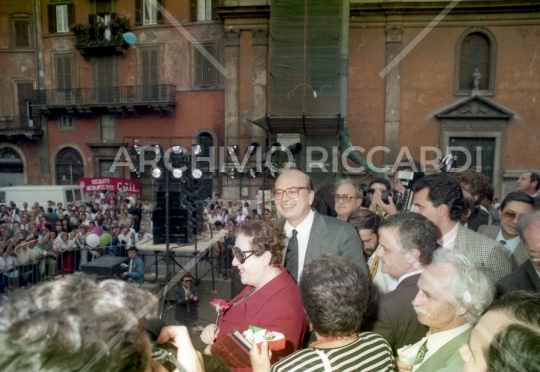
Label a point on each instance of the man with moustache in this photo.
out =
(310, 233)
(452, 296)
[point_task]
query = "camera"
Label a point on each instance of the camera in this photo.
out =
(164, 354)
(394, 194)
(407, 179)
(448, 161)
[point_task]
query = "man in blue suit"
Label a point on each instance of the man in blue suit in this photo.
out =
(135, 267)
(314, 233)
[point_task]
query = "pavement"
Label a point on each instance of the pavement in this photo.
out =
(207, 314)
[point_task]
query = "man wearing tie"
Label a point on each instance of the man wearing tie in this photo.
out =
(310, 233)
(452, 296)
(514, 205)
(135, 272)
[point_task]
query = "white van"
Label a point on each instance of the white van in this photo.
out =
(41, 194)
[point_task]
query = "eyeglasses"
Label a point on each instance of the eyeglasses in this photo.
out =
(292, 192)
(187, 280)
(346, 198)
(510, 215)
(240, 255)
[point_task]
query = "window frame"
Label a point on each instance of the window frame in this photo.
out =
(64, 17)
(490, 91)
(64, 128)
(140, 12)
(21, 18)
(52, 19)
(216, 80)
(71, 58)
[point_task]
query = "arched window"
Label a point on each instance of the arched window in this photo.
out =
(475, 63)
(69, 167)
(11, 168)
(206, 141)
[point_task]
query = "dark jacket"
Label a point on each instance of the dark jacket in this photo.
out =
(185, 307)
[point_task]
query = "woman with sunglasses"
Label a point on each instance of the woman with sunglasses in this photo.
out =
(270, 299)
(186, 297)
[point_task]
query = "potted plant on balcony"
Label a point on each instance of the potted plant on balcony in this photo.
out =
(82, 33)
(119, 25)
(91, 40)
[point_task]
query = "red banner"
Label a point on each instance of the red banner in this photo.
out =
(110, 183)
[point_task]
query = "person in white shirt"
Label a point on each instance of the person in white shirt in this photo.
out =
(452, 296)
(240, 217)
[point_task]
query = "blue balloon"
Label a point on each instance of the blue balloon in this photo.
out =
(130, 38)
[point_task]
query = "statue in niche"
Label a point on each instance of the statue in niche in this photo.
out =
(476, 76)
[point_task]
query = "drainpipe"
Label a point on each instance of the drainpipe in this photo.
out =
(344, 138)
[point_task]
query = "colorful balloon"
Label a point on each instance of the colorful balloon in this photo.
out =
(92, 240)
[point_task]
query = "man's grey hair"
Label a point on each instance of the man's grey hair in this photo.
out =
(357, 188)
(528, 221)
(468, 287)
(76, 324)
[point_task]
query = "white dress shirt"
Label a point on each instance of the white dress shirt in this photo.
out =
(303, 230)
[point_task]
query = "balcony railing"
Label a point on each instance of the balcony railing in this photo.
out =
(53, 102)
(98, 95)
(20, 123)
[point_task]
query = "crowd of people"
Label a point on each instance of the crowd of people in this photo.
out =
(39, 241)
(356, 280)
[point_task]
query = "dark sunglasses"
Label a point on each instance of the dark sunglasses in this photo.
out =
(241, 255)
(187, 280)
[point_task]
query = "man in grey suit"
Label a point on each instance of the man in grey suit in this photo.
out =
(526, 276)
(439, 198)
(514, 205)
(452, 295)
(312, 233)
(407, 242)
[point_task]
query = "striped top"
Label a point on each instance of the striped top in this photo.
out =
(370, 352)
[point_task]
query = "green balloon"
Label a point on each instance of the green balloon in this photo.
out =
(104, 239)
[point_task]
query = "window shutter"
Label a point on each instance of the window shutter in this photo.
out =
(192, 10)
(60, 72)
(215, 4)
(154, 67)
(68, 73)
(138, 12)
(21, 34)
(199, 68)
(209, 69)
(145, 67)
(71, 15)
(159, 12)
(51, 14)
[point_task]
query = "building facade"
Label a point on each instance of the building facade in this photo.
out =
(408, 76)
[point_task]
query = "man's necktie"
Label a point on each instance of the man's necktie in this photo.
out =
(503, 242)
(421, 354)
(291, 258)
